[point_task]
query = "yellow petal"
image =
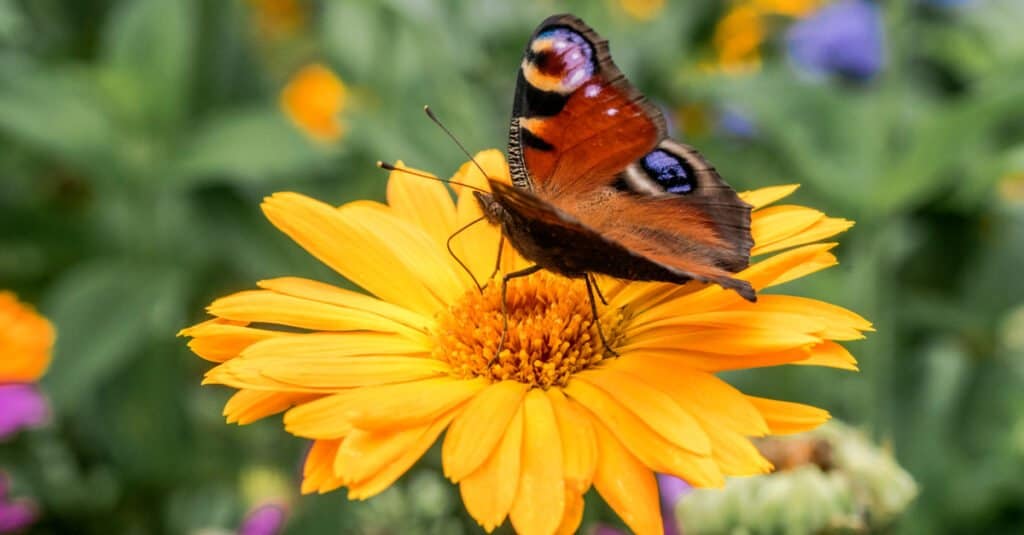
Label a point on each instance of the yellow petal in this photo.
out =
(372, 249)
(730, 341)
(349, 372)
(318, 472)
(700, 393)
(656, 409)
(626, 485)
(777, 223)
(642, 297)
(771, 271)
(540, 502)
(364, 453)
(424, 203)
(217, 341)
(408, 404)
(390, 473)
(488, 493)
(312, 374)
(247, 406)
(262, 306)
(494, 165)
(759, 198)
(476, 431)
(789, 265)
(579, 449)
(759, 318)
(784, 417)
(829, 354)
(823, 229)
(333, 345)
(573, 512)
(333, 295)
(826, 353)
(733, 452)
(321, 419)
(656, 452)
(836, 318)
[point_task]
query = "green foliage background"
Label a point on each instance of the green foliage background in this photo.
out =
(137, 138)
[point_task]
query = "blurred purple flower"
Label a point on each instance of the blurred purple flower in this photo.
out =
(267, 519)
(844, 38)
(672, 489)
(15, 515)
(736, 123)
(22, 406)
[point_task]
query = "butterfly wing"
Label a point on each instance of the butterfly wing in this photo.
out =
(576, 120)
(559, 241)
(585, 142)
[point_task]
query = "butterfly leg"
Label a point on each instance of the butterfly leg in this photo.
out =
(593, 310)
(504, 306)
(597, 289)
(497, 261)
(448, 244)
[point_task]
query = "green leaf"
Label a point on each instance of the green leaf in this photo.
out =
(61, 111)
(104, 315)
(247, 145)
(152, 41)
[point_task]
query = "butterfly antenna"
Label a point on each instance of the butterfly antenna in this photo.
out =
(391, 167)
(430, 113)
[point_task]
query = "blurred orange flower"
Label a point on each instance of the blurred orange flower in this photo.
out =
(314, 99)
(276, 18)
(26, 341)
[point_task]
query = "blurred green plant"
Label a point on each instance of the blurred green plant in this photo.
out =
(139, 135)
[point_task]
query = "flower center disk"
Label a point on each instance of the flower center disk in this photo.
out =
(551, 332)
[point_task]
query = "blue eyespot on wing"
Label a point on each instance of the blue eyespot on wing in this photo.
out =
(671, 172)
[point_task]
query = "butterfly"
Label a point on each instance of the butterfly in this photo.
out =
(598, 187)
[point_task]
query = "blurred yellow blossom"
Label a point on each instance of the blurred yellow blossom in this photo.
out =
(739, 35)
(314, 99)
(789, 8)
(642, 10)
(1011, 187)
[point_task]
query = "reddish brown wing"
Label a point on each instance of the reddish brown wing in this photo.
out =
(576, 120)
(630, 250)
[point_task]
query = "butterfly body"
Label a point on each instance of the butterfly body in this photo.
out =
(597, 187)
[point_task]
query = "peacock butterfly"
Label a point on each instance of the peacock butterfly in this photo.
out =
(597, 185)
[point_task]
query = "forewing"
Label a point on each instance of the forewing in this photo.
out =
(576, 121)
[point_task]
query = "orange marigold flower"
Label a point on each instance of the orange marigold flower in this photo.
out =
(314, 99)
(26, 341)
(374, 380)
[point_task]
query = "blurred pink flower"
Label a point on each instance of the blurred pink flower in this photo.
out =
(15, 515)
(267, 519)
(22, 406)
